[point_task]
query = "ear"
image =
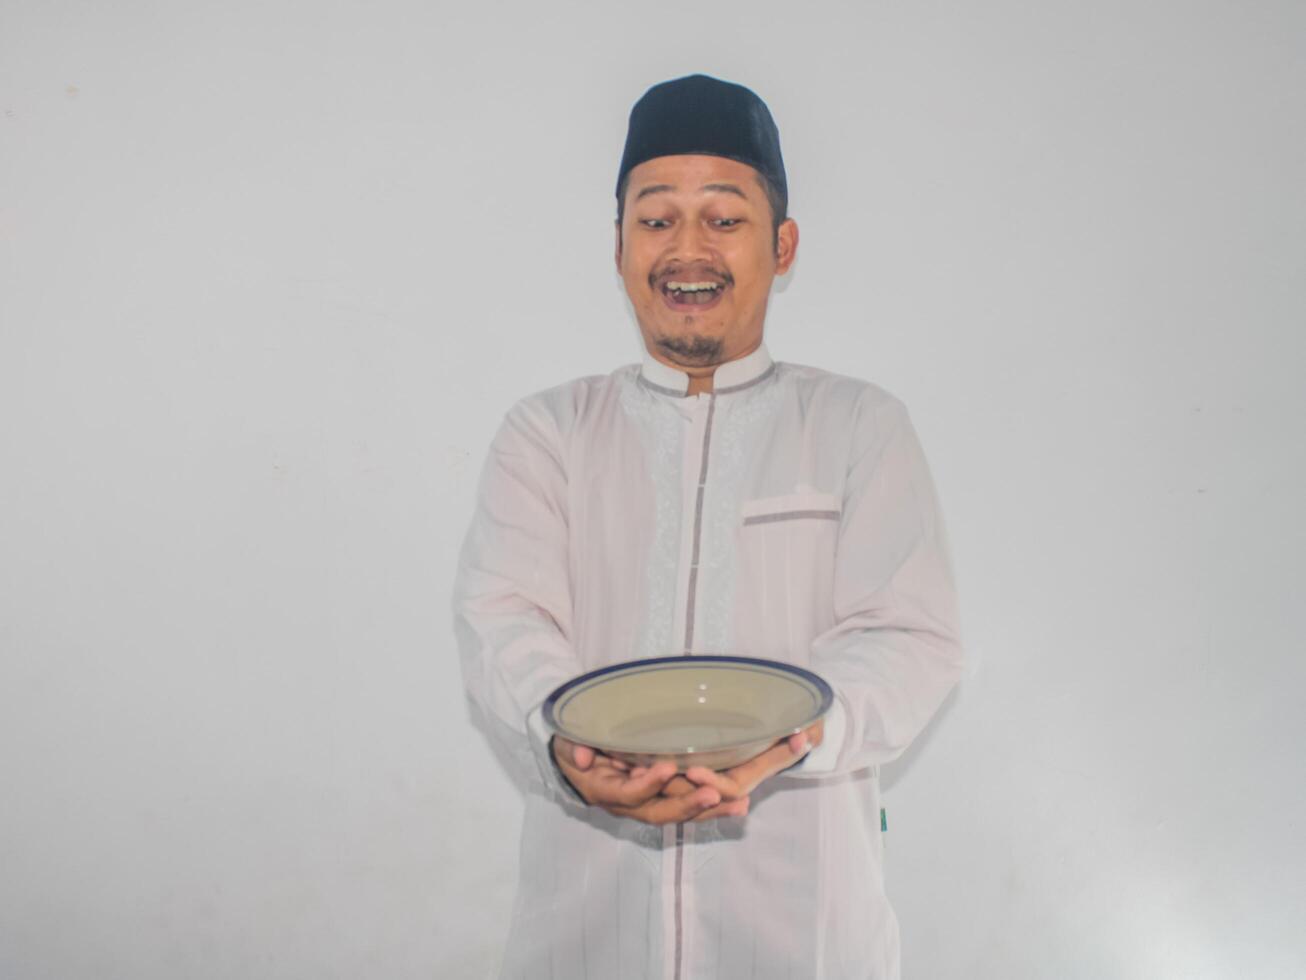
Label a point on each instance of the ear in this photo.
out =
(786, 249)
(617, 248)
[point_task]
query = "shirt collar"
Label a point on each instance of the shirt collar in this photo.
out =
(743, 372)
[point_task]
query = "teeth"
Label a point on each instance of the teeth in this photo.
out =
(691, 287)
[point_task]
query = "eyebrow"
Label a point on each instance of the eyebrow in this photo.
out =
(659, 188)
(725, 188)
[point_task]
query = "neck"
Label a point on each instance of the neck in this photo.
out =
(701, 376)
(697, 384)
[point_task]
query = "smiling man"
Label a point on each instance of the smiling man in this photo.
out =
(706, 500)
(698, 258)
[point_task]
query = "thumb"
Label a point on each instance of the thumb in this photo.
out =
(583, 756)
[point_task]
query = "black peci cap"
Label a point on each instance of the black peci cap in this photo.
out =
(700, 114)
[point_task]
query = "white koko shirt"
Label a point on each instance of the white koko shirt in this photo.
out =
(788, 514)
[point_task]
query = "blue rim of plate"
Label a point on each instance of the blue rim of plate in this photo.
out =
(685, 660)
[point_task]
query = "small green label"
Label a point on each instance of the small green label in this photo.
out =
(884, 821)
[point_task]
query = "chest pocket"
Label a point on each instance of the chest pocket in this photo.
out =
(786, 572)
(792, 507)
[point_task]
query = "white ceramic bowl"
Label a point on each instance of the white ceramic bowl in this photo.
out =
(713, 711)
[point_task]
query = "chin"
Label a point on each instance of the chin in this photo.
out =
(691, 349)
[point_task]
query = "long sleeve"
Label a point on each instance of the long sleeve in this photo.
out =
(895, 651)
(512, 595)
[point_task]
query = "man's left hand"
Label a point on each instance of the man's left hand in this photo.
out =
(736, 784)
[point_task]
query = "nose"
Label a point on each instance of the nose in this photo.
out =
(690, 243)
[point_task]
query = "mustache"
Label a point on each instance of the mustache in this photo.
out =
(687, 273)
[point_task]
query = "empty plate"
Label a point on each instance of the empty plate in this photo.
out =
(713, 711)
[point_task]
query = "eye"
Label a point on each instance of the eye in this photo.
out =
(654, 222)
(727, 222)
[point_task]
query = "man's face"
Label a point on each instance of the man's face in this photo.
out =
(696, 251)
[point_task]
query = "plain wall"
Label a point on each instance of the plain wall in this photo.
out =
(271, 273)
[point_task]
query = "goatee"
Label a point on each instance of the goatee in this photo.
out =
(692, 349)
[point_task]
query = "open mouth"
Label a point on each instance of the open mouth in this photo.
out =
(686, 295)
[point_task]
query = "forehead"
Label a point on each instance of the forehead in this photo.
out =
(688, 172)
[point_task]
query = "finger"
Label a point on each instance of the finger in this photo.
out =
(567, 753)
(777, 757)
(729, 808)
(678, 786)
(724, 783)
(744, 778)
(583, 756)
(800, 743)
(664, 809)
(625, 790)
(816, 733)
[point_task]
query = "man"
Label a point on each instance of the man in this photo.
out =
(708, 500)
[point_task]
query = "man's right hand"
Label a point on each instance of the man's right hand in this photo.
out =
(606, 783)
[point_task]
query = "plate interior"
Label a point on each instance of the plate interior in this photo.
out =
(687, 706)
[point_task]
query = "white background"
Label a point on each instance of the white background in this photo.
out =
(272, 272)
